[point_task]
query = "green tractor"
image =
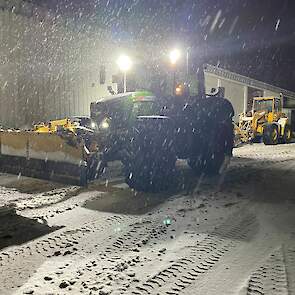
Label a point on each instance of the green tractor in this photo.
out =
(149, 133)
(146, 132)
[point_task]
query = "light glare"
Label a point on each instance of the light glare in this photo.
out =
(174, 56)
(124, 62)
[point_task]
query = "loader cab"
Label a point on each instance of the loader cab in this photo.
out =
(267, 104)
(268, 107)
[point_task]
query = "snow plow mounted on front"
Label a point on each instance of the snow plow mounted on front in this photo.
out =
(146, 133)
(41, 155)
(53, 154)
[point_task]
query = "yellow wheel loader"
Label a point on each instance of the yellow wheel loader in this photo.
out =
(266, 120)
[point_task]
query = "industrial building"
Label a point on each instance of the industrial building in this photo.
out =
(240, 90)
(50, 69)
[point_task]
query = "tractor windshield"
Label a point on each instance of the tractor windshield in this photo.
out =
(263, 105)
(144, 108)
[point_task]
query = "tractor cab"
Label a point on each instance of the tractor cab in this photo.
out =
(118, 112)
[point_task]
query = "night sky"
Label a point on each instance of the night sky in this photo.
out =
(252, 37)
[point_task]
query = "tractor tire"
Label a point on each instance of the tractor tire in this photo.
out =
(270, 134)
(150, 166)
(256, 139)
(210, 159)
(287, 134)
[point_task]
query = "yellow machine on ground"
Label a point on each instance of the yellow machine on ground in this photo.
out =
(266, 120)
(53, 126)
(53, 150)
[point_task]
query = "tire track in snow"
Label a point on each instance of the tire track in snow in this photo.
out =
(200, 258)
(276, 275)
(64, 242)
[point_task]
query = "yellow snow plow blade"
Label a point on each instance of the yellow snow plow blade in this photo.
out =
(43, 155)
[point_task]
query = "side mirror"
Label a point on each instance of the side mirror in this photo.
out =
(219, 91)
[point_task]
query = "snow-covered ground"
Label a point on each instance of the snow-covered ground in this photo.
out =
(234, 234)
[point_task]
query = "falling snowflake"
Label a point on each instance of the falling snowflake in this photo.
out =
(277, 24)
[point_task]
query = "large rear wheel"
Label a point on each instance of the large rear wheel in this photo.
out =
(213, 154)
(150, 165)
(287, 134)
(270, 134)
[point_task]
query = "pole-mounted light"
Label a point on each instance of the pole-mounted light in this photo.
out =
(124, 63)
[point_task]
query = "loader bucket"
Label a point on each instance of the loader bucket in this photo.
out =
(43, 155)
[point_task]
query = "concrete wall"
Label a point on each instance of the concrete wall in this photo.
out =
(234, 91)
(48, 69)
(237, 93)
(211, 81)
(271, 93)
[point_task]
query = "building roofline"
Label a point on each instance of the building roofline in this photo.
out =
(246, 80)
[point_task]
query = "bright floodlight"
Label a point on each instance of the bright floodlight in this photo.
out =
(174, 56)
(124, 63)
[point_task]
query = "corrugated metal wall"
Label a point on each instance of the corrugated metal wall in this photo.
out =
(48, 69)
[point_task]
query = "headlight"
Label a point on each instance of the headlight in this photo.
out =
(104, 124)
(93, 125)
